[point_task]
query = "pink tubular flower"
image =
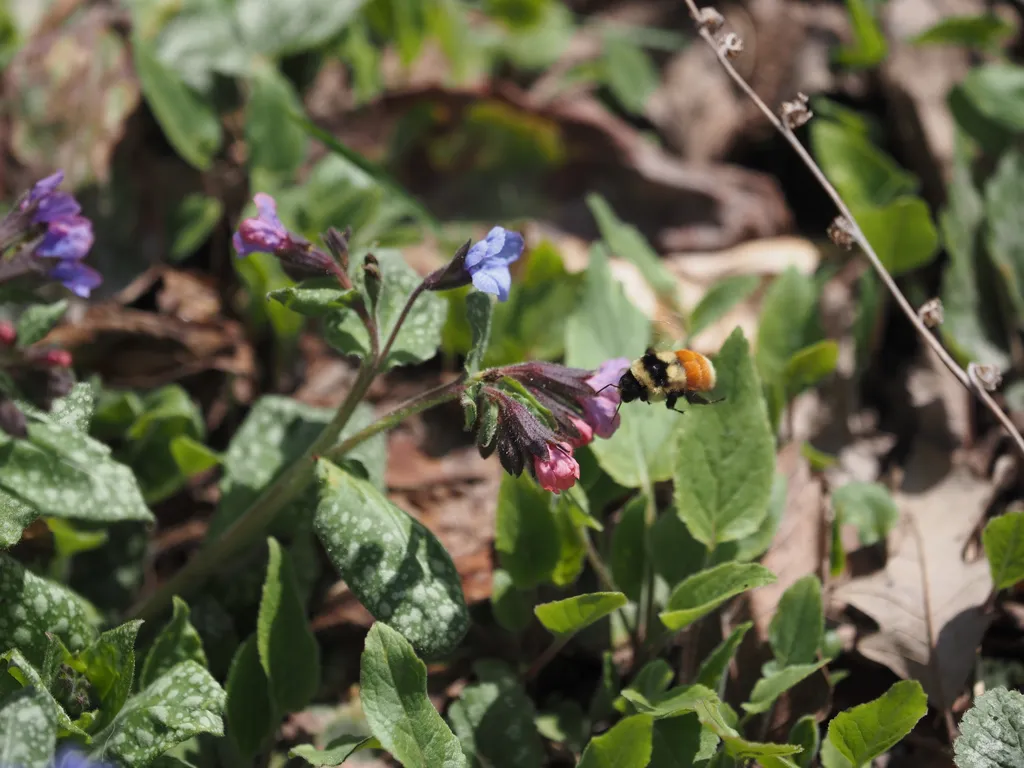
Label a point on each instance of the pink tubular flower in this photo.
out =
(559, 471)
(263, 234)
(586, 433)
(600, 410)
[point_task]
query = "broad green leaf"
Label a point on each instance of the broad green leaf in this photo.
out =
(28, 731)
(191, 223)
(15, 517)
(479, 310)
(178, 641)
(996, 90)
(189, 122)
(625, 241)
(511, 607)
(565, 617)
(627, 744)
(31, 606)
(863, 174)
(1005, 239)
(109, 665)
(289, 654)
(805, 734)
(572, 546)
(392, 563)
(250, 712)
(902, 233)
(712, 671)
(276, 142)
(31, 677)
(797, 627)
(1003, 539)
(674, 552)
(681, 742)
(809, 366)
(182, 703)
(191, 457)
(869, 46)
(653, 679)
(725, 454)
(704, 591)
(676, 701)
(314, 301)
(770, 687)
(526, 532)
(273, 30)
(38, 320)
(869, 507)
(786, 311)
(335, 753)
(493, 719)
(393, 691)
(992, 731)
(720, 299)
(864, 732)
(756, 544)
(629, 73)
(629, 553)
(984, 32)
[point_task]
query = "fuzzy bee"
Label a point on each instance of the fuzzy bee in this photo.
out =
(669, 375)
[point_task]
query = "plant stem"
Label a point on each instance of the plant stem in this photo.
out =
(549, 654)
(855, 231)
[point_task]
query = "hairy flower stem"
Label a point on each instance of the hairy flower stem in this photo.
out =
(386, 349)
(856, 233)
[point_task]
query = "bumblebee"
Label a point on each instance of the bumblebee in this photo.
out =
(669, 376)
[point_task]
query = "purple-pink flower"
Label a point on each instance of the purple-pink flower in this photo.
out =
(559, 471)
(601, 411)
(47, 203)
(67, 238)
(263, 234)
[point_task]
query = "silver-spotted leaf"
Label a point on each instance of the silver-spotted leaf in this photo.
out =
(992, 731)
(28, 730)
(178, 641)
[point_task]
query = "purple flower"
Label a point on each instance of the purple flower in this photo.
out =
(487, 261)
(75, 276)
(263, 234)
(48, 204)
(68, 238)
(71, 757)
(601, 410)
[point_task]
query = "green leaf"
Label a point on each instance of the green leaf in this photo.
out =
(713, 716)
(178, 641)
(494, 720)
(997, 91)
(28, 731)
(678, 700)
(526, 532)
(478, 314)
(625, 241)
(566, 617)
(572, 547)
(720, 299)
(31, 606)
(704, 591)
(393, 690)
(188, 120)
(110, 668)
(191, 223)
(805, 734)
(31, 677)
(771, 686)
(809, 366)
(1005, 240)
(335, 753)
(289, 654)
(191, 457)
(511, 608)
(681, 742)
(182, 703)
(985, 32)
(902, 233)
(992, 731)
(869, 507)
(674, 552)
(653, 679)
(69, 541)
(276, 142)
(629, 553)
(869, 46)
(864, 732)
(250, 714)
(629, 73)
(273, 31)
(392, 563)
(712, 671)
(756, 544)
(1003, 539)
(38, 320)
(627, 744)
(797, 627)
(723, 484)
(15, 517)
(786, 310)
(314, 301)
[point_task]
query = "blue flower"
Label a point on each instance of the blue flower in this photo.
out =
(71, 757)
(47, 203)
(264, 233)
(67, 238)
(75, 276)
(487, 261)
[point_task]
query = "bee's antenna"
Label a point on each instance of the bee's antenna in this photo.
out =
(602, 389)
(617, 409)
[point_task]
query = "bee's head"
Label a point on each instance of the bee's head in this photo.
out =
(629, 387)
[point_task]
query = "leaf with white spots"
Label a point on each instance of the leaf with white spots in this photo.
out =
(289, 653)
(76, 408)
(392, 563)
(38, 320)
(180, 704)
(31, 606)
(393, 691)
(109, 666)
(33, 678)
(494, 720)
(178, 641)
(15, 517)
(277, 431)
(420, 334)
(28, 731)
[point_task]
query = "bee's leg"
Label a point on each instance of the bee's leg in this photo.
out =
(695, 399)
(670, 403)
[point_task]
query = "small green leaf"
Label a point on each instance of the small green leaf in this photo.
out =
(289, 654)
(34, 679)
(182, 703)
(653, 679)
(189, 122)
(28, 731)
(38, 320)
(110, 668)
(178, 641)
(478, 313)
(526, 532)
(704, 591)
(678, 700)
(494, 720)
(629, 73)
(392, 563)
(984, 32)
(720, 299)
(797, 627)
(250, 712)
(275, 31)
(335, 753)
(565, 617)
(902, 233)
(681, 742)
(629, 554)
(191, 456)
(627, 744)
(770, 687)
(572, 546)
(276, 142)
(996, 90)
(786, 312)
(191, 224)
(869, 46)
(712, 671)
(315, 301)
(864, 732)
(1005, 240)
(625, 241)
(809, 366)
(869, 507)
(992, 731)
(805, 734)
(69, 541)
(716, 715)
(1003, 539)
(393, 690)
(512, 608)
(723, 484)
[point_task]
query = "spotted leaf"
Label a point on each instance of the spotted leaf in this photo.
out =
(28, 731)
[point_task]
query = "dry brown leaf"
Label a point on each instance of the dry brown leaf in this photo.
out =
(928, 600)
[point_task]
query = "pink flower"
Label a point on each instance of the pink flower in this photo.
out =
(559, 471)
(586, 433)
(264, 233)
(600, 411)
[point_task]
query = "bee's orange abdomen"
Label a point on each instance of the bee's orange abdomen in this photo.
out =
(700, 373)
